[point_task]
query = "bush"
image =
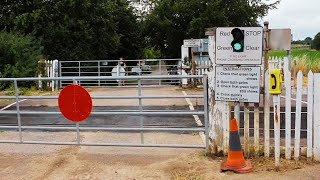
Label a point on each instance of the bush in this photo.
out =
(316, 42)
(151, 53)
(19, 56)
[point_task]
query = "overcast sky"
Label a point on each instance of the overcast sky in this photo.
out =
(301, 16)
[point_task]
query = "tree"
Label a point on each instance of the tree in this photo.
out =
(76, 29)
(171, 21)
(316, 42)
(19, 56)
(308, 40)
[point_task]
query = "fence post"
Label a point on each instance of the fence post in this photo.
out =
(60, 73)
(277, 119)
(266, 116)
(140, 109)
(159, 71)
(316, 123)
(16, 88)
(226, 130)
(298, 117)
(99, 74)
(256, 129)
(55, 67)
(52, 74)
(79, 70)
(287, 82)
(310, 116)
(246, 129)
(205, 86)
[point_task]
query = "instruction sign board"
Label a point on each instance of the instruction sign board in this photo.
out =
(252, 50)
(191, 42)
(237, 84)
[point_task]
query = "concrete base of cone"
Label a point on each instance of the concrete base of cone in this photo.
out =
(247, 168)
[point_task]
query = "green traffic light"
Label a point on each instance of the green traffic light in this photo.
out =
(237, 46)
(238, 40)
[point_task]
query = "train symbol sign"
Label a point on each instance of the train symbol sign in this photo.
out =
(239, 45)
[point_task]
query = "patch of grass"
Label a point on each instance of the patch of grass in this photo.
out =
(33, 91)
(5, 100)
(268, 164)
(306, 60)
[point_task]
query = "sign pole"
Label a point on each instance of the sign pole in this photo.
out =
(266, 49)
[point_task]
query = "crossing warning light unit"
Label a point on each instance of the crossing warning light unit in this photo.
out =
(238, 40)
(275, 80)
(239, 45)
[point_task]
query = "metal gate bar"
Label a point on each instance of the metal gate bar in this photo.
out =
(103, 68)
(77, 127)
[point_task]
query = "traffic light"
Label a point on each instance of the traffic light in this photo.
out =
(238, 40)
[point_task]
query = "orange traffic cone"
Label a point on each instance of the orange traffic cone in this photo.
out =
(235, 161)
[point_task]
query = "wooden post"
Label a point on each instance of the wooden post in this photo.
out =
(276, 115)
(266, 116)
(266, 50)
(256, 129)
(265, 83)
(246, 130)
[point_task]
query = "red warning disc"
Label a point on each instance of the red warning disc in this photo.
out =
(75, 103)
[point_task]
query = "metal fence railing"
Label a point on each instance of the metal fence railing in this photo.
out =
(18, 112)
(143, 67)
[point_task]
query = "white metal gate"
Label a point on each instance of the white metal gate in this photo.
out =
(77, 127)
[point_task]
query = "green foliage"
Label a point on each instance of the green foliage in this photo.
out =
(306, 41)
(76, 29)
(151, 53)
(171, 21)
(19, 55)
(306, 59)
(316, 42)
(105, 29)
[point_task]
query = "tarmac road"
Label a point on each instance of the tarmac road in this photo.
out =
(106, 120)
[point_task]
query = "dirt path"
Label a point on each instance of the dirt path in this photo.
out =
(84, 163)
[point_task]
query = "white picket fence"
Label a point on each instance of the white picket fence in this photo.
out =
(51, 67)
(295, 107)
(304, 95)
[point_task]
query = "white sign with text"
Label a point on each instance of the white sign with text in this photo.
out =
(240, 84)
(191, 43)
(252, 51)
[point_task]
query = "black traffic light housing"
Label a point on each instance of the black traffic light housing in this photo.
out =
(238, 40)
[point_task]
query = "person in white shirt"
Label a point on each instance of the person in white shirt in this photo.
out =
(123, 65)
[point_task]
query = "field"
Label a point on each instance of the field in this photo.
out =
(306, 59)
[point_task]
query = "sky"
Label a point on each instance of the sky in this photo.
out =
(301, 16)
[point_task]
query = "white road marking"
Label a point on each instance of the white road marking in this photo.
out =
(20, 101)
(12, 104)
(196, 117)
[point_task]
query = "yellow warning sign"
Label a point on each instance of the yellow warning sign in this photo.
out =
(275, 81)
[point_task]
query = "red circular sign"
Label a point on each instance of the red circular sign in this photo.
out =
(75, 103)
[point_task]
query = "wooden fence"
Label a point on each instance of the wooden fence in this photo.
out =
(288, 124)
